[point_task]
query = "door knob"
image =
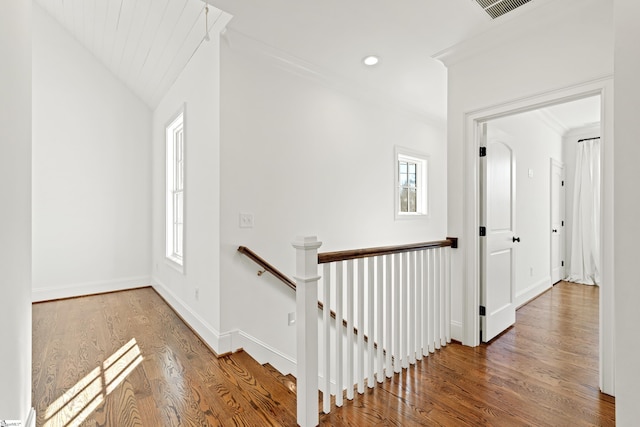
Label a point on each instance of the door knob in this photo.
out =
(516, 239)
(555, 230)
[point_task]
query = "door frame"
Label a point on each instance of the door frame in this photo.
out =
(471, 264)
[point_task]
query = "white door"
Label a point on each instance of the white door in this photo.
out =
(497, 247)
(557, 221)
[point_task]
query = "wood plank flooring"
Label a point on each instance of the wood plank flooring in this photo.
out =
(126, 359)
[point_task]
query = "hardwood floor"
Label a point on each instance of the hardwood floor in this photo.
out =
(125, 359)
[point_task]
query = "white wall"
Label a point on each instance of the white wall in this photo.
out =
(569, 149)
(627, 212)
(303, 157)
(91, 164)
(534, 145)
(198, 89)
(558, 48)
(15, 214)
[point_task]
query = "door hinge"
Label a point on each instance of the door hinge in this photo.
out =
(483, 310)
(563, 223)
(563, 183)
(483, 231)
(562, 263)
(483, 151)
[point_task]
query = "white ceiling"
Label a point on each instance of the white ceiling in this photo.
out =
(575, 114)
(146, 43)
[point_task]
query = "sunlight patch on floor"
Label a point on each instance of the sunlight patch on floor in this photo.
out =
(77, 403)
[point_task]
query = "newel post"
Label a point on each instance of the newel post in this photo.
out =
(307, 329)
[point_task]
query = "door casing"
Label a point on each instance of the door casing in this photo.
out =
(471, 260)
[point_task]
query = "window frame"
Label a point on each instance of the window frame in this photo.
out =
(422, 183)
(172, 188)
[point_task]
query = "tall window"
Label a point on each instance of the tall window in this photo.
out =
(175, 190)
(411, 184)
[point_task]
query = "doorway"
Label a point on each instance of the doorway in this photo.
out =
(472, 289)
(522, 252)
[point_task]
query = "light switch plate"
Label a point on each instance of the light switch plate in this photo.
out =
(246, 220)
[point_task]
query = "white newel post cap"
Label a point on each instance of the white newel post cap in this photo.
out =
(306, 242)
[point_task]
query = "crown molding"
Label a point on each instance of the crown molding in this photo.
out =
(525, 23)
(551, 121)
(241, 42)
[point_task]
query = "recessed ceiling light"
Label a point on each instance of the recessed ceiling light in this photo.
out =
(370, 60)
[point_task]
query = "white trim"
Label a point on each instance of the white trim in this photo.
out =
(226, 342)
(264, 353)
(31, 418)
(456, 330)
(533, 291)
(602, 86)
(491, 35)
(47, 293)
(220, 343)
(178, 119)
(239, 41)
(423, 183)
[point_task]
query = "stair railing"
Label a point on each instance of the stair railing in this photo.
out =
(399, 296)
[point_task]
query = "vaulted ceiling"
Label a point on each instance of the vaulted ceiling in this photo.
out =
(146, 43)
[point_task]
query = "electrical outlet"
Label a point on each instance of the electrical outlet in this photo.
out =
(530, 173)
(291, 318)
(531, 271)
(246, 220)
(197, 294)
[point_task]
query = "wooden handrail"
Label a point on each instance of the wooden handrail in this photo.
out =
(327, 257)
(284, 279)
(268, 267)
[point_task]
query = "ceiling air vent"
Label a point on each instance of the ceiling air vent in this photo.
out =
(496, 8)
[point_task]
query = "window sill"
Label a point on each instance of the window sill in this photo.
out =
(173, 263)
(410, 216)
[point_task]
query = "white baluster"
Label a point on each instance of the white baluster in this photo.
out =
(411, 329)
(360, 301)
(307, 329)
(370, 320)
(419, 306)
(443, 296)
(404, 311)
(349, 371)
(339, 333)
(432, 305)
(448, 287)
(425, 303)
(397, 286)
(326, 337)
(380, 285)
(388, 302)
(438, 300)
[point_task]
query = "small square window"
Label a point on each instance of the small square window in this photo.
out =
(410, 184)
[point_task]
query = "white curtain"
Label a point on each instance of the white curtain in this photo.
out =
(585, 239)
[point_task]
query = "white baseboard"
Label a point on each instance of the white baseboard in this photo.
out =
(47, 293)
(264, 353)
(31, 419)
(221, 343)
(227, 342)
(456, 331)
(533, 291)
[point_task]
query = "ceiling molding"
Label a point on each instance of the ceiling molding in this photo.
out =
(526, 20)
(551, 121)
(241, 42)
